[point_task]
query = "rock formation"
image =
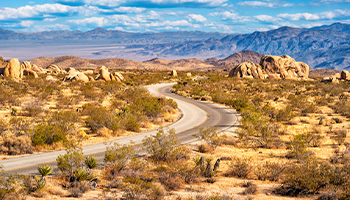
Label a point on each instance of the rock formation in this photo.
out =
(105, 75)
(173, 73)
(75, 75)
(29, 72)
(345, 75)
(272, 67)
(13, 69)
(55, 69)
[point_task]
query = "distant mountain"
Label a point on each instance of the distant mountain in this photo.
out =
(320, 47)
(115, 35)
(335, 27)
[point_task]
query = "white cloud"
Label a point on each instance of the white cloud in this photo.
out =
(324, 15)
(130, 9)
(197, 18)
(99, 21)
(267, 4)
(232, 16)
(51, 19)
(45, 10)
(299, 16)
(169, 23)
(115, 3)
(267, 18)
(27, 23)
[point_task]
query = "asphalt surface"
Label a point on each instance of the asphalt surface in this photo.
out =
(195, 115)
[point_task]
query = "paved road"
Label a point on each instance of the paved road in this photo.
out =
(195, 115)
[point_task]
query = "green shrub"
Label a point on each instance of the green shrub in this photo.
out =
(45, 170)
(240, 167)
(271, 171)
(308, 177)
(119, 156)
(91, 162)
(163, 146)
(70, 162)
(210, 136)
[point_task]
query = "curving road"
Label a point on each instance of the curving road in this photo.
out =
(195, 115)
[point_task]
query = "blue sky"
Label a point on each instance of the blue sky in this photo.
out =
(230, 16)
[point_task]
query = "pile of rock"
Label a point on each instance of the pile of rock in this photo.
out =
(344, 75)
(272, 67)
(102, 74)
(16, 70)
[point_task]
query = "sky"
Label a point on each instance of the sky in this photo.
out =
(228, 16)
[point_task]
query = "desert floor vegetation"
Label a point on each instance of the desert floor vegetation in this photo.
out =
(36, 114)
(292, 144)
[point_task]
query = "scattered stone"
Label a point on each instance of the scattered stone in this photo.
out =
(13, 69)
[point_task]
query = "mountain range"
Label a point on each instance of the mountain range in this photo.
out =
(320, 47)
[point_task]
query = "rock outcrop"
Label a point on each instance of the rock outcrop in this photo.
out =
(345, 75)
(105, 75)
(249, 70)
(272, 67)
(13, 69)
(173, 73)
(75, 75)
(54, 69)
(29, 72)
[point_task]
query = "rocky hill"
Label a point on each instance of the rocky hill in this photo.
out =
(154, 64)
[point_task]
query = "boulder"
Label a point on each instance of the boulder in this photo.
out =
(54, 69)
(119, 76)
(285, 66)
(29, 72)
(272, 67)
(91, 79)
(247, 69)
(71, 70)
(189, 74)
(345, 75)
(104, 74)
(38, 69)
(13, 69)
(337, 75)
(173, 73)
(89, 72)
(50, 78)
(26, 65)
(76, 76)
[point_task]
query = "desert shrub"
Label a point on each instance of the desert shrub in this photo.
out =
(45, 170)
(136, 187)
(339, 136)
(240, 167)
(91, 162)
(9, 186)
(118, 157)
(285, 114)
(71, 161)
(163, 146)
(171, 181)
(78, 189)
(210, 136)
(13, 145)
(56, 129)
(271, 171)
(99, 117)
(82, 174)
(251, 188)
(298, 147)
(204, 148)
(308, 177)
